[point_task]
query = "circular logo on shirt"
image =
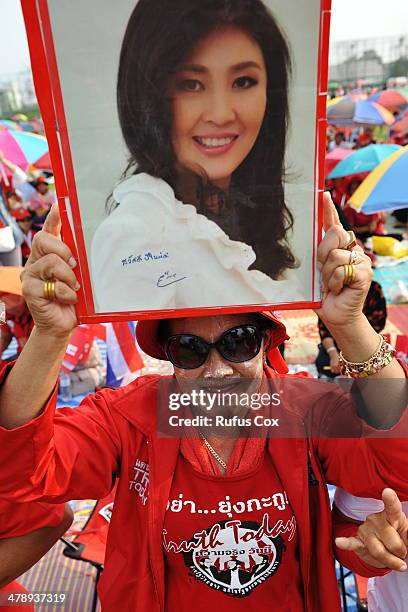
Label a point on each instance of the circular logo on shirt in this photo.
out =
(234, 556)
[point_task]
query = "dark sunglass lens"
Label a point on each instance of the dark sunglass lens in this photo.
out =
(241, 343)
(187, 352)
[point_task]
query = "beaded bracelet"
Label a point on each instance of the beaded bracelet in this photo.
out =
(381, 358)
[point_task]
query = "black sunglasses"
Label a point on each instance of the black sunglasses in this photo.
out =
(237, 344)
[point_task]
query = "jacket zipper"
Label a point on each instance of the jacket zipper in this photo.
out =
(156, 587)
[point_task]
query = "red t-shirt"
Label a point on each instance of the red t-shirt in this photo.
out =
(231, 542)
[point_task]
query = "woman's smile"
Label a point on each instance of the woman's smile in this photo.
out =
(215, 144)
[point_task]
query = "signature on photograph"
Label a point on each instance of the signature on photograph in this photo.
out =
(142, 257)
(168, 278)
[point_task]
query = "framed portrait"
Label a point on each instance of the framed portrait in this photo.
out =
(187, 139)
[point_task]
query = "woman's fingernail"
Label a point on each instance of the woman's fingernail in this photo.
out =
(403, 567)
(77, 286)
(72, 262)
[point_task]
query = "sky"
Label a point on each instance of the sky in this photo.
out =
(350, 19)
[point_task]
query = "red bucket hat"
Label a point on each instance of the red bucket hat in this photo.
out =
(21, 213)
(147, 338)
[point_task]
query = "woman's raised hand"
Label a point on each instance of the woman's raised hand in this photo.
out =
(51, 260)
(341, 305)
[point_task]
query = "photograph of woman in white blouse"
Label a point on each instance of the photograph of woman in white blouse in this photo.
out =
(199, 217)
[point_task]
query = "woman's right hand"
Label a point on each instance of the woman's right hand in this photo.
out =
(51, 260)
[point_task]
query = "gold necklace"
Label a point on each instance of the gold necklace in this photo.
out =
(213, 452)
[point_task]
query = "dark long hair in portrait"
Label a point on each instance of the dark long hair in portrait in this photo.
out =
(159, 35)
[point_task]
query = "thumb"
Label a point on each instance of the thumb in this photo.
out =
(392, 506)
(330, 215)
(52, 224)
(351, 543)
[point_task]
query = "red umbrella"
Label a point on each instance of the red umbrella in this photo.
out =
(44, 163)
(390, 98)
(334, 157)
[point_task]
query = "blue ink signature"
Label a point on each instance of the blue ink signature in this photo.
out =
(166, 279)
(141, 257)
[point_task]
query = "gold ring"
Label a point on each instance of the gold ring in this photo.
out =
(49, 290)
(349, 274)
(354, 257)
(352, 241)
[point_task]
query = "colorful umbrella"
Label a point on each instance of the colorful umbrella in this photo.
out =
(401, 124)
(7, 124)
(333, 101)
(349, 111)
(363, 160)
(23, 149)
(403, 91)
(389, 98)
(385, 188)
(334, 157)
(20, 117)
(44, 163)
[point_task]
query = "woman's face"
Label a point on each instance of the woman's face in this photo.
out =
(216, 367)
(218, 98)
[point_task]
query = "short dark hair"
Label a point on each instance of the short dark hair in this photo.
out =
(159, 35)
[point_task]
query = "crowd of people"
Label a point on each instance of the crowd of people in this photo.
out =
(24, 205)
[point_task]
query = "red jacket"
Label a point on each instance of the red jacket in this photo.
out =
(78, 453)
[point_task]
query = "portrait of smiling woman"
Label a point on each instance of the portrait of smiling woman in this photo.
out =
(199, 216)
(190, 152)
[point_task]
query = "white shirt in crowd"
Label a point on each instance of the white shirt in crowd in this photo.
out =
(154, 252)
(21, 185)
(387, 593)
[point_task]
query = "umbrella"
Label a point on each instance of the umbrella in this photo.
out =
(390, 98)
(403, 91)
(7, 124)
(349, 111)
(335, 100)
(20, 117)
(22, 148)
(44, 162)
(385, 188)
(334, 157)
(363, 160)
(401, 124)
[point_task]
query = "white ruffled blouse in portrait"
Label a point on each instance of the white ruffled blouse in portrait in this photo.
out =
(154, 253)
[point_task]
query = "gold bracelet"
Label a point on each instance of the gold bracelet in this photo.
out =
(381, 358)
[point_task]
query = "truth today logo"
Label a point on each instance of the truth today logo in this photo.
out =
(241, 556)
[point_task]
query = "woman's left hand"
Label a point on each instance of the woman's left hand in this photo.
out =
(341, 305)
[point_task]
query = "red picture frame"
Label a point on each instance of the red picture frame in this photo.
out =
(50, 98)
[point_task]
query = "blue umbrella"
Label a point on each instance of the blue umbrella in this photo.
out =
(7, 124)
(363, 160)
(386, 187)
